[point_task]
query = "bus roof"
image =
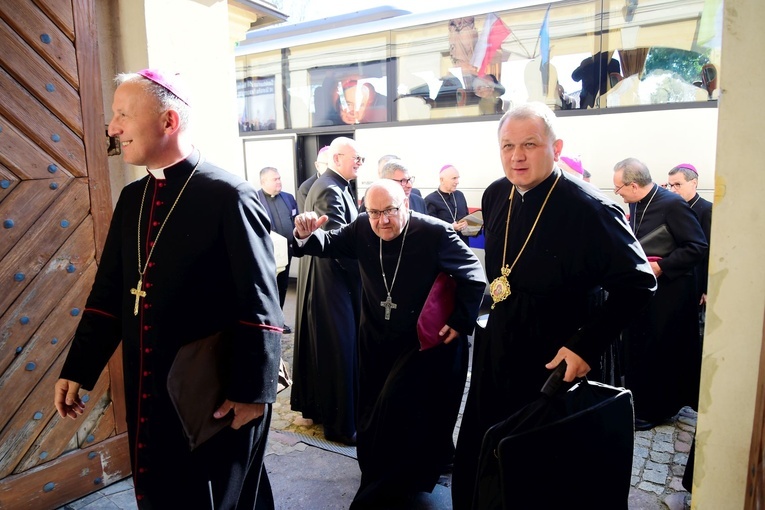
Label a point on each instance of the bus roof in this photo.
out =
(367, 21)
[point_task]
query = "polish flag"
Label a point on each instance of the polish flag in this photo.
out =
(494, 32)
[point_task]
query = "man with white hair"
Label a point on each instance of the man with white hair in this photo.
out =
(325, 373)
(403, 388)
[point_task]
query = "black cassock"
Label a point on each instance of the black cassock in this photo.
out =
(450, 207)
(582, 245)
(408, 399)
(212, 270)
(662, 345)
(325, 368)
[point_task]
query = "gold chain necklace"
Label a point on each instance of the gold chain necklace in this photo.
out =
(137, 292)
(499, 289)
(388, 303)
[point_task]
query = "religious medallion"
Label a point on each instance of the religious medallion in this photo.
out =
(499, 289)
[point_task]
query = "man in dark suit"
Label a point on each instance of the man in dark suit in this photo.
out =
(325, 374)
(395, 170)
(282, 209)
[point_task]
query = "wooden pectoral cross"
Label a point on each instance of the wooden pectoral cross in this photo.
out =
(388, 304)
(138, 293)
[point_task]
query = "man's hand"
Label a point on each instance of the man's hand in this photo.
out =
(577, 367)
(67, 399)
(449, 333)
(307, 222)
(459, 226)
(656, 269)
(243, 413)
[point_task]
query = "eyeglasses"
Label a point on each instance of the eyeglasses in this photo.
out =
(404, 182)
(677, 185)
(358, 159)
(616, 189)
(375, 215)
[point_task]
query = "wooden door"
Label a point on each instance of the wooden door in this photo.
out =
(55, 206)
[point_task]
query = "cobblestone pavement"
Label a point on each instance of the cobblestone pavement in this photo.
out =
(658, 463)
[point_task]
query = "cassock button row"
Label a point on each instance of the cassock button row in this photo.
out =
(162, 184)
(151, 264)
(146, 327)
(148, 285)
(154, 223)
(147, 350)
(146, 306)
(146, 373)
(151, 243)
(158, 202)
(143, 419)
(146, 395)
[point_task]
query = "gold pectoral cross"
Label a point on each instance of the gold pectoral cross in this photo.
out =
(388, 304)
(138, 293)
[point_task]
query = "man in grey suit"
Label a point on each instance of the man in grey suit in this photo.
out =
(395, 170)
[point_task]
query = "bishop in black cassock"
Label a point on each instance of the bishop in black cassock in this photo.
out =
(203, 239)
(408, 399)
(662, 345)
(580, 246)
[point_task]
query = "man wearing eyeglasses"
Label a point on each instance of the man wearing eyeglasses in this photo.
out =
(395, 170)
(325, 370)
(683, 180)
(409, 398)
(662, 345)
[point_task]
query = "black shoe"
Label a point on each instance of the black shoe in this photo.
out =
(286, 330)
(644, 424)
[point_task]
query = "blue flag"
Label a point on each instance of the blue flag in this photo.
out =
(544, 41)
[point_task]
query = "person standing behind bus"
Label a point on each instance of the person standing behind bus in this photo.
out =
(325, 373)
(447, 202)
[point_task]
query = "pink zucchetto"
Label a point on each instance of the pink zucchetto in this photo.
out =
(574, 164)
(688, 166)
(171, 82)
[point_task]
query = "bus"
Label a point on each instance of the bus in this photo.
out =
(626, 78)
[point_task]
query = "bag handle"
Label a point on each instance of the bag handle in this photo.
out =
(555, 383)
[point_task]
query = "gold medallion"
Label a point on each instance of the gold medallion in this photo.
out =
(499, 289)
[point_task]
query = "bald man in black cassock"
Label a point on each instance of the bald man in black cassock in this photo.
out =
(408, 399)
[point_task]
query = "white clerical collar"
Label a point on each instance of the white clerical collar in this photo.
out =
(159, 173)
